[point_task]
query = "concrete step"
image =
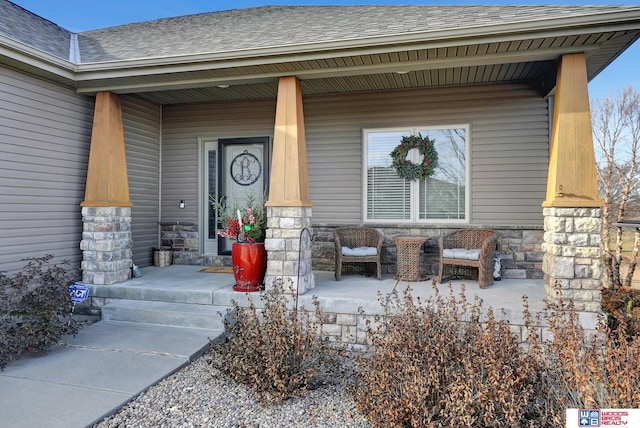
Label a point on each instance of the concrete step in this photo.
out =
(170, 293)
(166, 313)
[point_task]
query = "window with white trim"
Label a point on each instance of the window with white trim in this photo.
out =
(439, 198)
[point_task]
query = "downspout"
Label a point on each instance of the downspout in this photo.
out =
(160, 175)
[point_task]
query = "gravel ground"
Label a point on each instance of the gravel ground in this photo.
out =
(199, 396)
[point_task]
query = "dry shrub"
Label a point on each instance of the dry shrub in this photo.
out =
(622, 303)
(278, 351)
(596, 370)
(435, 364)
(440, 364)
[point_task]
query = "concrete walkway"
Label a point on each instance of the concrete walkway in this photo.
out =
(105, 365)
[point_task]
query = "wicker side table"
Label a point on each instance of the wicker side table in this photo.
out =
(408, 257)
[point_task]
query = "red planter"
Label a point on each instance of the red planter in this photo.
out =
(249, 261)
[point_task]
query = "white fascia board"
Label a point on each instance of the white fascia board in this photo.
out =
(36, 58)
(178, 84)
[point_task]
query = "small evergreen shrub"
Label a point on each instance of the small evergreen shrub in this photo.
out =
(278, 351)
(35, 308)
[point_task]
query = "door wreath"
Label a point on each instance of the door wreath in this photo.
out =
(412, 171)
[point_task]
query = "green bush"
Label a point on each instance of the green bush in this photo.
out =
(35, 308)
(278, 351)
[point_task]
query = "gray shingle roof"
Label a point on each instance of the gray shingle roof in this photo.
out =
(23, 26)
(265, 27)
(272, 26)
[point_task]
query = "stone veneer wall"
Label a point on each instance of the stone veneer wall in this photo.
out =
(289, 248)
(184, 240)
(573, 258)
(352, 328)
(106, 245)
(521, 250)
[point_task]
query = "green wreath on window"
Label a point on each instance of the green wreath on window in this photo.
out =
(412, 171)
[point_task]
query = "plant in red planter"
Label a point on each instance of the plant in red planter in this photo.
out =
(246, 225)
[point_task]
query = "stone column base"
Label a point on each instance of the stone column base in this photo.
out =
(288, 245)
(572, 262)
(106, 245)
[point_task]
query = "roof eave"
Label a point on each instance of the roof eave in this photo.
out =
(35, 58)
(366, 45)
(513, 57)
(605, 65)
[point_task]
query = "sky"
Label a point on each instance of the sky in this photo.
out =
(82, 15)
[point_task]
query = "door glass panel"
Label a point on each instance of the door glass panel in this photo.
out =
(210, 187)
(243, 175)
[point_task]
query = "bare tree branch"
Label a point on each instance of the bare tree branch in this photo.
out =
(616, 134)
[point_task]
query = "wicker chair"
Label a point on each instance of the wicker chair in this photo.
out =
(355, 237)
(464, 251)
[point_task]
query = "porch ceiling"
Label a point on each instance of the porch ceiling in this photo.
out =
(531, 60)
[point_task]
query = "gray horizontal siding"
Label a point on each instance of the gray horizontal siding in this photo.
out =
(141, 122)
(45, 134)
(509, 146)
(183, 126)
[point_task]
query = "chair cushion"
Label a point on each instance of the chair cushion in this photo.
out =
(461, 253)
(359, 251)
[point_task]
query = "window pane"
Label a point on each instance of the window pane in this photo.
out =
(388, 196)
(442, 196)
(211, 185)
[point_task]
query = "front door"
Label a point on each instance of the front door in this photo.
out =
(234, 169)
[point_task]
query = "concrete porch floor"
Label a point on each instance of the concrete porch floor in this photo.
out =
(347, 296)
